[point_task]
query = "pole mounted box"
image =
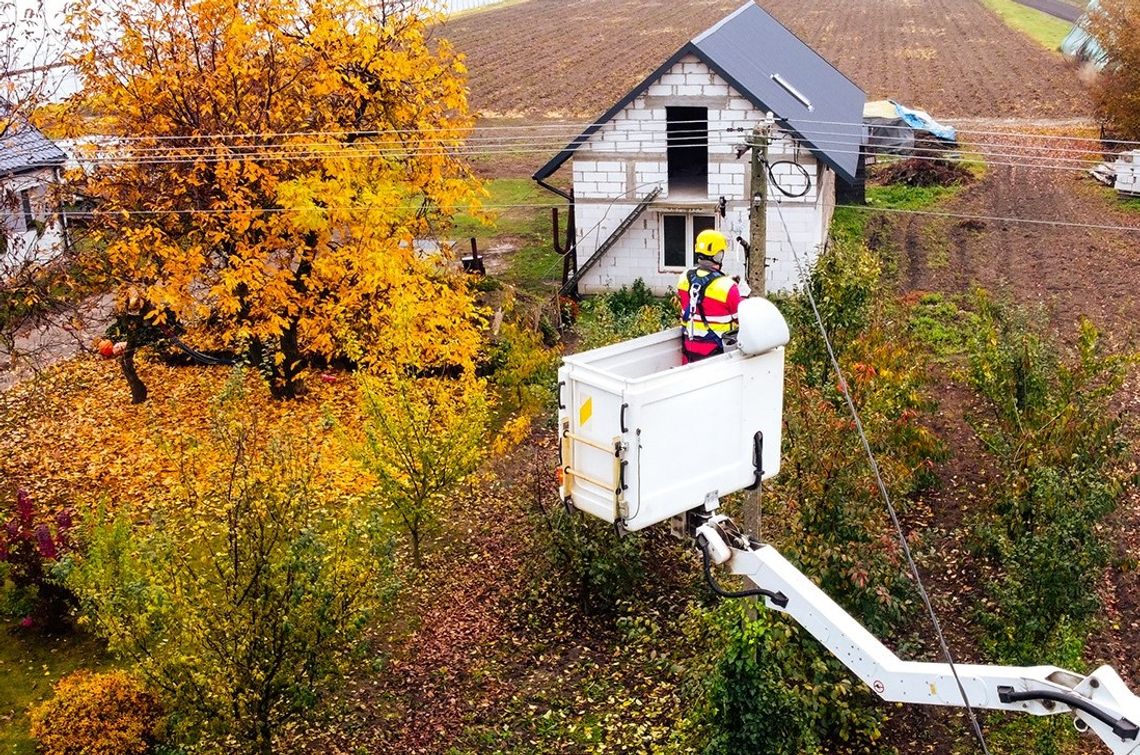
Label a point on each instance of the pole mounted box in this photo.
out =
(644, 438)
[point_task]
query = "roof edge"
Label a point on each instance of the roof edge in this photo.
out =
(568, 151)
(716, 27)
(751, 97)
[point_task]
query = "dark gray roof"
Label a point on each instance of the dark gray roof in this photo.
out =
(765, 62)
(24, 148)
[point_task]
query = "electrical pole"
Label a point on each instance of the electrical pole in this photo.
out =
(758, 207)
(757, 266)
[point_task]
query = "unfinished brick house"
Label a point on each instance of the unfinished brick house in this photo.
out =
(665, 162)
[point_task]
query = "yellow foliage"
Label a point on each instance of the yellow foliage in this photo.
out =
(511, 434)
(421, 439)
(70, 439)
(282, 158)
(97, 714)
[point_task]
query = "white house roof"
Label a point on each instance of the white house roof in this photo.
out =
(776, 71)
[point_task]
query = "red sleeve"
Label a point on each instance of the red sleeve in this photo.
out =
(733, 300)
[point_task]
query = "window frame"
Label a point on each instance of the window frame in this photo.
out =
(690, 236)
(689, 150)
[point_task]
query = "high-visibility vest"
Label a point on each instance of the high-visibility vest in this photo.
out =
(709, 300)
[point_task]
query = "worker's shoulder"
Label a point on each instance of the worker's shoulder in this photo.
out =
(723, 284)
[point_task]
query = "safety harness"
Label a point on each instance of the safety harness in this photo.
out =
(698, 285)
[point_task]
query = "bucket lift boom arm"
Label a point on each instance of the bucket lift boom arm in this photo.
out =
(1100, 702)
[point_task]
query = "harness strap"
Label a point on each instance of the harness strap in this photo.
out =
(698, 284)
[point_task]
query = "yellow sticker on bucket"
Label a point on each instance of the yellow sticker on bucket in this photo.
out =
(585, 411)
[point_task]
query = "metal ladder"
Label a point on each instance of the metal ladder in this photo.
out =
(571, 285)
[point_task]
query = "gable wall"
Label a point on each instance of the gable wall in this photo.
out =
(626, 158)
(22, 246)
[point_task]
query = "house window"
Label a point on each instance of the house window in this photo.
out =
(687, 149)
(678, 232)
(26, 205)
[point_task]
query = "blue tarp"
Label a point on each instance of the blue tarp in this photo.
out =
(920, 120)
(1078, 44)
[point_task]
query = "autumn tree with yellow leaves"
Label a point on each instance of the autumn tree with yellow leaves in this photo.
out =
(267, 166)
(1115, 24)
(422, 438)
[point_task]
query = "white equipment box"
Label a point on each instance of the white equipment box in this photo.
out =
(631, 416)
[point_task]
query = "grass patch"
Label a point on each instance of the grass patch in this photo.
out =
(519, 207)
(849, 221)
(1130, 204)
(1046, 30)
(29, 665)
(520, 215)
(937, 322)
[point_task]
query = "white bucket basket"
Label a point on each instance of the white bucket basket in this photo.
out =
(644, 438)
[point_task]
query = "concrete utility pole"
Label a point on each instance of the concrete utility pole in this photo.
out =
(757, 265)
(758, 209)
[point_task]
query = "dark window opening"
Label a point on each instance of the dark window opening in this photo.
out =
(676, 245)
(702, 223)
(679, 234)
(26, 205)
(687, 149)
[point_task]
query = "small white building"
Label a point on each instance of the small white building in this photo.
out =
(31, 229)
(666, 162)
(1127, 169)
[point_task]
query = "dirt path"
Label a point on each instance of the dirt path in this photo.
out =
(1056, 8)
(1065, 271)
(55, 338)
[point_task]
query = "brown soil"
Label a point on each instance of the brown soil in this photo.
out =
(1065, 270)
(923, 172)
(574, 59)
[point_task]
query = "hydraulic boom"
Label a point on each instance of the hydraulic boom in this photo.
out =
(1099, 702)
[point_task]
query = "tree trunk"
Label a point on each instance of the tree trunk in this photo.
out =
(138, 387)
(264, 738)
(417, 561)
(285, 382)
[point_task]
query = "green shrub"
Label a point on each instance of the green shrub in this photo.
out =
(524, 369)
(1055, 436)
(767, 687)
(845, 283)
(629, 300)
(622, 315)
(592, 563)
(97, 714)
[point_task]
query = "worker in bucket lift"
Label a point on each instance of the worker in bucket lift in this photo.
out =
(709, 300)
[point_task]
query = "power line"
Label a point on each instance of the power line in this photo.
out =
(996, 218)
(574, 127)
(1013, 159)
(883, 492)
(513, 133)
(613, 202)
(1017, 154)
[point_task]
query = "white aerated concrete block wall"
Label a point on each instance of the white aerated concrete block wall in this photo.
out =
(626, 158)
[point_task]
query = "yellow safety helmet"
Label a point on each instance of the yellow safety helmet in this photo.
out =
(711, 244)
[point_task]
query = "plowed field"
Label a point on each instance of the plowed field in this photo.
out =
(575, 58)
